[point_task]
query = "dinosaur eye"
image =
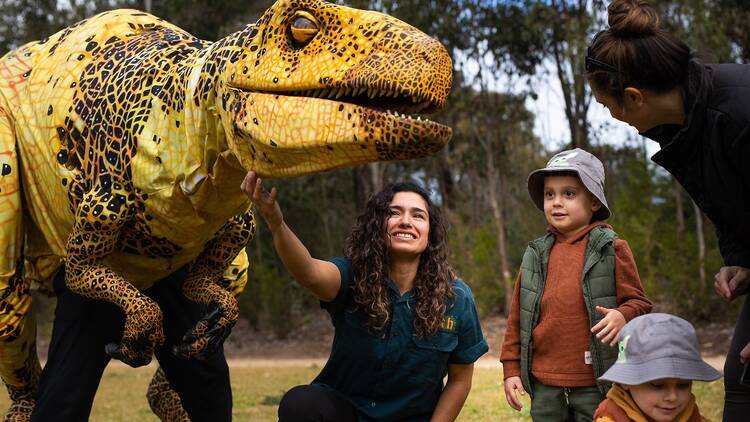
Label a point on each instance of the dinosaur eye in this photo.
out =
(303, 28)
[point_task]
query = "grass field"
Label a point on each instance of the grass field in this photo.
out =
(257, 392)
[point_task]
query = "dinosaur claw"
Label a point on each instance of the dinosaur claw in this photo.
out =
(113, 350)
(207, 336)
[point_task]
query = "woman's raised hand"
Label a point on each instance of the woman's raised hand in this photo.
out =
(265, 202)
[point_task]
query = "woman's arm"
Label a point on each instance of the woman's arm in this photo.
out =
(322, 278)
(455, 392)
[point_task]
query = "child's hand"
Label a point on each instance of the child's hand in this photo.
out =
(609, 327)
(512, 384)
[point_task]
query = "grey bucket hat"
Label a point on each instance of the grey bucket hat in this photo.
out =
(589, 169)
(657, 346)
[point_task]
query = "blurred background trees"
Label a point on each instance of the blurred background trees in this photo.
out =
(503, 51)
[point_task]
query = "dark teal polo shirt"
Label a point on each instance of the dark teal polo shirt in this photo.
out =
(393, 374)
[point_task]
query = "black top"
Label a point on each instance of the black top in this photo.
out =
(710, 154)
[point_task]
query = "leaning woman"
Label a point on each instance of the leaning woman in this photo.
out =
(401, 320)
(700, 116)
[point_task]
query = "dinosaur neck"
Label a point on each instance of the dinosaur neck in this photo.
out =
(208, 169)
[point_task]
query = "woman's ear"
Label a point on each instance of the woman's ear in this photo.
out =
(633, 97)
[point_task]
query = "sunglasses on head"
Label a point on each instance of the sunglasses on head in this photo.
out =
(591, 64)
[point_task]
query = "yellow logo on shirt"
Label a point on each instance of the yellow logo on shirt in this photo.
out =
(448, 324)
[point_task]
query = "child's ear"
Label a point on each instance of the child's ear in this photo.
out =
(595, 205)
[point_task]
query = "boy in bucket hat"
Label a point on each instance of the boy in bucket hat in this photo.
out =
(658, 360)
(577, 287)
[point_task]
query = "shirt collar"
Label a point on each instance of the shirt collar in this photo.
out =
(559, 238)
(397, 293)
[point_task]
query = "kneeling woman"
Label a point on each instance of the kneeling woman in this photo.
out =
(402, 321)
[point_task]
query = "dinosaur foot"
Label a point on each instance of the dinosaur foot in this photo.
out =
(20, 411)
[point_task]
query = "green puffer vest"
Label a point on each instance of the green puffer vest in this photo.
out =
(599, 289)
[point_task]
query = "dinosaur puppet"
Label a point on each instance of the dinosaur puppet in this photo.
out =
(124, 139)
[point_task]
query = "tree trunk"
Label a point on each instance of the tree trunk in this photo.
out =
(701, 247)
(678, 208)
(377, 172)
(567, 54)
(497, 212)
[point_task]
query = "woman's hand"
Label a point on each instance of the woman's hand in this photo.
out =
(731, 282)
(609, 327)
(264, 201)
(511, 385)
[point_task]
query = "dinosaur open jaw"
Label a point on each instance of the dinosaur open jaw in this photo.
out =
(382, 100)
(306, 134)
(378, 99)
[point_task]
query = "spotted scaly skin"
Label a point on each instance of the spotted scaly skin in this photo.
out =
(164, 401)
(126, 139)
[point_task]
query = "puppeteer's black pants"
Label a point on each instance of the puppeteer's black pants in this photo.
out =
(76, 359)
(737, 396)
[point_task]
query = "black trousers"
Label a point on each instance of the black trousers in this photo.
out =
(76, 359)
(310, 403)
(737, 396)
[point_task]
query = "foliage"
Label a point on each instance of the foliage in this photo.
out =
(209, 19)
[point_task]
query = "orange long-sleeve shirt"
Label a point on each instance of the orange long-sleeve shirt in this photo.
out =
(561, 337)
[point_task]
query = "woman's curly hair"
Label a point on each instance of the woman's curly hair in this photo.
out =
(367, 248)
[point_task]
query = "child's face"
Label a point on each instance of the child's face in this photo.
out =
(662, 400)
(568, 205)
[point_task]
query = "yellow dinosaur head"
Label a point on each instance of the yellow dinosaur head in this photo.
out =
(315, 86)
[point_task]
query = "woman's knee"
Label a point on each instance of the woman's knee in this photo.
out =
(311, 403)
(295, 404)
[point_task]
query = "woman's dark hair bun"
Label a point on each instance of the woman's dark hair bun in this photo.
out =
(632, 18)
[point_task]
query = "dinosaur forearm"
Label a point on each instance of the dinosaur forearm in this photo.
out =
(205, 281)
(101, 283)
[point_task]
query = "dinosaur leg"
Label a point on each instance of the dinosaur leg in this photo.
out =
(19, 366)
(164, 401)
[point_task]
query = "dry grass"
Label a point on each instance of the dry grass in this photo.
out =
(257, 391)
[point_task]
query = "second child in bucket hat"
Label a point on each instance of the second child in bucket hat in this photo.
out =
(577, 287)
(658, 359)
